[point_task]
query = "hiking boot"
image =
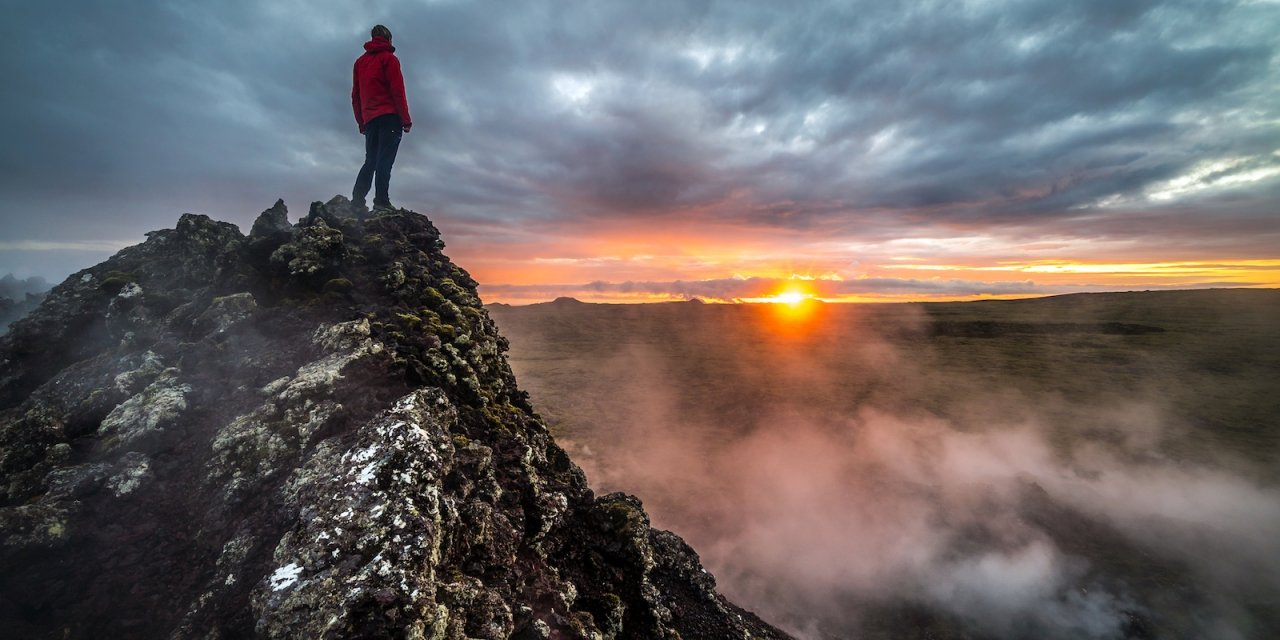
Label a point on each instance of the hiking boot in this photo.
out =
(382, 204)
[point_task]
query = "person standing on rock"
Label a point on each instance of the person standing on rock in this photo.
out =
(382, 114)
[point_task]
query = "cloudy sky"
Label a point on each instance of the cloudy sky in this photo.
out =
(650, 150)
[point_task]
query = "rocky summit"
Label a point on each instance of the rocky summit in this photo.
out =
(307, 432)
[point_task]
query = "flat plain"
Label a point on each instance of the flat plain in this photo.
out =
(1133, 438)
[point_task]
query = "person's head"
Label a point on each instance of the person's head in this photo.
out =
(380, 31)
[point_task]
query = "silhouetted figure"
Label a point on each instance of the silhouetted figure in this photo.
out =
(382, 113)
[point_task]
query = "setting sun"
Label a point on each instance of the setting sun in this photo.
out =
(792, 293)
(793, 305)
(792, 297)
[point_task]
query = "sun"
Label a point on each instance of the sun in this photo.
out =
(791, 297)
(793, 293)
(794, 306)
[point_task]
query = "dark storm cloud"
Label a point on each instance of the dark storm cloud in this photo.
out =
(992, 110)
(119, 116)
(832, 118)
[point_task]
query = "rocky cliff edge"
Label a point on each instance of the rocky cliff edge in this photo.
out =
(310, 431)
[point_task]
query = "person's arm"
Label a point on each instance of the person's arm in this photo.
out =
(355, 96)
(395, 81)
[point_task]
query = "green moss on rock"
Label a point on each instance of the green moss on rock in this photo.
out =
(114, 281)
(338, 285)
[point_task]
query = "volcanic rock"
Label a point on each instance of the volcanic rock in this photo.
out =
(308, 432)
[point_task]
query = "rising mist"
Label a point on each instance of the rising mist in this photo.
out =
(842, 484)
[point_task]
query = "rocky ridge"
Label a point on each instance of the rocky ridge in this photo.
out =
(308, 431)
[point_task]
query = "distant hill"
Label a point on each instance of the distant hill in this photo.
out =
(19, 296)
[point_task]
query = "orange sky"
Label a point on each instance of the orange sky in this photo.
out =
(626, 262)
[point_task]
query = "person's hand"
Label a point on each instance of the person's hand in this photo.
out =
(408, 126)
(361, 130)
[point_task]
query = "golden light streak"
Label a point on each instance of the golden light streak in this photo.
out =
(1209, 268)
(1151, 268)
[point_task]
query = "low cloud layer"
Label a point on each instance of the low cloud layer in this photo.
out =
(836, 524)
(825, 519)
(1136, 123)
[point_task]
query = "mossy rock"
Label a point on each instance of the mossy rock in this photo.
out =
(114, 281)
(338, 285)
(410, 320)
(432, 297)
(622, 513)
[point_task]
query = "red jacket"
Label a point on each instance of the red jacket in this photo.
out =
(377, 87)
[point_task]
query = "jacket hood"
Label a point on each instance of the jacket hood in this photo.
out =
(378, 45)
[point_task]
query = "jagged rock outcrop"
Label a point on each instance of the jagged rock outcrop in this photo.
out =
(307, 432)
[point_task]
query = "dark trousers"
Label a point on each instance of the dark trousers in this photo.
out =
(381, 142)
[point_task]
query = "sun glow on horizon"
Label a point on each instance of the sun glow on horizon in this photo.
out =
(797, 291)
(791, 297)
(862, 281)
(794, 305)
